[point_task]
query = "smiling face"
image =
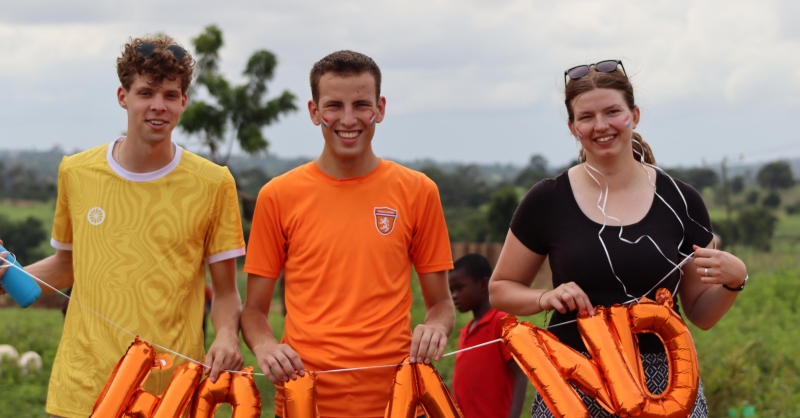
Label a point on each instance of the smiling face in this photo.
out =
(347, 111)
(603, 123)
(153, 110)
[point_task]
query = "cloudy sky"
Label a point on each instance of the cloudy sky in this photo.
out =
(465, 80)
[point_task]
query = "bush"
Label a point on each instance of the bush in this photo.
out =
(23, 238)
(756, 225)
(466, 224)
(772, 200)
(751, 357)
(752, 197)
(501, 209)
(728, 231)
(793, 209)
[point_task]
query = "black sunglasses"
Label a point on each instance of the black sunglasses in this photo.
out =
(145, 49)
(607, 66)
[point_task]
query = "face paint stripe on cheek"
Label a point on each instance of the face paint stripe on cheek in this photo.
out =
(578, 132)
(372, 120)
(324, 122)
(627, 121)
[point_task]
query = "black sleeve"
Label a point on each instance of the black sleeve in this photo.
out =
(530, 219)
(697, 224)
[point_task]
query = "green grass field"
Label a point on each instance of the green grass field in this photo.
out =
(752, 357)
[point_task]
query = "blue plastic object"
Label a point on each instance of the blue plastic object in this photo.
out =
(18, 284)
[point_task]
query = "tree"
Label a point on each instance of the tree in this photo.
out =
(463, 187)
(775, 175)
(699, 178)
(501, 209)
(23, 238)
(772, 200)
(251, 180)
(243, 110)
(533, 173)
(19, 182)
(737, 184)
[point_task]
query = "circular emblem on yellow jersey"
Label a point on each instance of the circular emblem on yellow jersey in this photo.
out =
(96, 216)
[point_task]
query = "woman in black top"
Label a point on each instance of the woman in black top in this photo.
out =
(576, 217)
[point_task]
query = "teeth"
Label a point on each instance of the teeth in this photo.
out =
(605, 138)
(348, 135)
(156, 122)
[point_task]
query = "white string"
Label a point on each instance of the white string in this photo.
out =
(101, 316)
(604, 199)
(398, 364)
(205, 365)
(66, 296)
(678, 266)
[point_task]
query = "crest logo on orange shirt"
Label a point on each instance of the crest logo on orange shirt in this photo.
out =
(385, 219)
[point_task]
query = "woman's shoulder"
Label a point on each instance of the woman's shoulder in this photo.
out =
(549, 187)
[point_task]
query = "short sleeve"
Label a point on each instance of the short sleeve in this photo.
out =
(528, 223)
(225, 239)
(62, 222)
(430, 243)
(267, 243)
(698, 228)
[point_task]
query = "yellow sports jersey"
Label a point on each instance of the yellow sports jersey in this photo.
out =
(139, 243)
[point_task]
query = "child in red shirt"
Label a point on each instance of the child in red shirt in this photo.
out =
(487, 382)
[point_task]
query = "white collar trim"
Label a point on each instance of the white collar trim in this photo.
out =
(141, 177)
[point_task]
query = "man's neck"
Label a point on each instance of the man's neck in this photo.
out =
(340, 168)
(139, 156)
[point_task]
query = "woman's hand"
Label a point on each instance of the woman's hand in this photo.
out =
(566, 297)
(719, 267)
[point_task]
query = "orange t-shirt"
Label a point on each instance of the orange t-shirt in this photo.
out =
(346, 248)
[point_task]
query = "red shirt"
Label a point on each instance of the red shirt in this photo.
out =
(482, 380)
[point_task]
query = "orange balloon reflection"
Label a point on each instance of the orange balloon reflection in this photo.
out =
(419, 384)
(243, 396)
(300, 397)
(614, 376)
(123, 395)
(404, 394)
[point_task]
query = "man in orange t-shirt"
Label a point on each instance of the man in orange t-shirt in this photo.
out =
(345, 229)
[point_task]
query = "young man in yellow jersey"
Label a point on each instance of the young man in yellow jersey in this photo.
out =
(136, 222)
(345, 230)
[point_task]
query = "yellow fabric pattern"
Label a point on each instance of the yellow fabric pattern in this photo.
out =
(138, 257)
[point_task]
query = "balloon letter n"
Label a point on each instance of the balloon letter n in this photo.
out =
(610, 337)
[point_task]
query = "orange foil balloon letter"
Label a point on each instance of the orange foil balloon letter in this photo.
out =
(416, 384)
(123, 395)
(300, 397)
(236, 389)
(614, 376)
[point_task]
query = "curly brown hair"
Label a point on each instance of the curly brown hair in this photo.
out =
(160, 65)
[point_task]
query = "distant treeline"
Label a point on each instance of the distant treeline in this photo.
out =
(478, 199)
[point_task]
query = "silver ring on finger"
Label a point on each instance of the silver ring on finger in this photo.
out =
(562, 295)
(706, 272)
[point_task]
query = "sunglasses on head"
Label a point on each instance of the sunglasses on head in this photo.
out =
(607, 66)
(146, 49)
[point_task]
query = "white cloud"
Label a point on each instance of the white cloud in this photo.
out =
(442, 57)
